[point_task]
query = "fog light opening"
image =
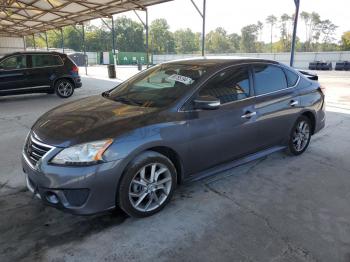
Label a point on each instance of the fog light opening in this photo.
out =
(52, 198)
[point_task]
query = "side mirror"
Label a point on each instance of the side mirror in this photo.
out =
(206, 103)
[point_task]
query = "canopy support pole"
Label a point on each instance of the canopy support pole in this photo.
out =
(145, 25)
(62, 40)
(147, 39)
(84, 46)
(34, 42)
(297, 4)
(203, 15)
(47, 43)
(113, 42)
(24, 43)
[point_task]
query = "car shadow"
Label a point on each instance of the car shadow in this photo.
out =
(29, 224)
(24, 97)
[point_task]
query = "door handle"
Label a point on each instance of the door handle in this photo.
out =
(248, 114)
(294, 103)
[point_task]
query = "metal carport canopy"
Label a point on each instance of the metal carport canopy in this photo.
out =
(27, 17)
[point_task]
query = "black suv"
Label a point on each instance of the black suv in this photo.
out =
(38, 72)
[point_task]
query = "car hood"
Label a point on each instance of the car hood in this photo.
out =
(89, 119)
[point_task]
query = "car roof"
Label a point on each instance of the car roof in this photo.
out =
(219, 60)
(34, 52)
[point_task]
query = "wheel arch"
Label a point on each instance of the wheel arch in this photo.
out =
(310, 115)
(174, 158)
(168, 152)
(70, 79)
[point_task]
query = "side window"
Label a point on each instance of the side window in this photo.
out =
(14, 62)
(269, 78)
(229, 85)
(45, 60)
(292, 78)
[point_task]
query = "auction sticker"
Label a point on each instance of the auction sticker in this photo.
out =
(182, 79)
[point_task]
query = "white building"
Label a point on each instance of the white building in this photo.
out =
(10, 45)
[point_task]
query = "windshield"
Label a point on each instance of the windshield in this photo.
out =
(158, 86)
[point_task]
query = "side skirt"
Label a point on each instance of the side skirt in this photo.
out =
(226, 166)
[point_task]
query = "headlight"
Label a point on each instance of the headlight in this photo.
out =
(83, 154)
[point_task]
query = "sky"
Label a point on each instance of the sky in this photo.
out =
(232, 15)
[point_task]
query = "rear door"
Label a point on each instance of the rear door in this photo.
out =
(13, 73)
(217, 136)
(44, 69)
(277, 103)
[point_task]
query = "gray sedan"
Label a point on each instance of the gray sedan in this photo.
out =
(175, 122)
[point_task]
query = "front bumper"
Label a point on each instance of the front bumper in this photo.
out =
(78, 190)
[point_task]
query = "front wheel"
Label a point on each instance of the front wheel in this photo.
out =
(147, 185)
(300, 136)
(64, 88)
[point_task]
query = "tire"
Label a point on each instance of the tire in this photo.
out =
(141, 196)
(64, 88)
(300, 136)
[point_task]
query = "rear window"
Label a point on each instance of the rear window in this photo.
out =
(269, 78)
(46, 60)
(292, 78)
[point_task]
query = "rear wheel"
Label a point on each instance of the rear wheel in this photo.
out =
(300, 136)
(64, 88)
(147, 185)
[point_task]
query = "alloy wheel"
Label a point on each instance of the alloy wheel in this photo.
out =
(150, 187)
(65, 88)
(301, 136)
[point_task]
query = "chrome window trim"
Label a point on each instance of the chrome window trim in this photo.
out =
(228, 103)
(30, 68)
(269, 93)
(213, 74)
(5, 70)
(253, 96)
(62, 63)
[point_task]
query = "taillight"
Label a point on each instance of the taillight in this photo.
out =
(75, 69)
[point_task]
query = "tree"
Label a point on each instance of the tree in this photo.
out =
(234, 42)
(328, 31)
(271, 20)
(306, 17)
(129, 35)
(249, 37)
(285, 38)
(162, 40)
(345, 39)
(217, 41)
(260, 27)
(186, 41)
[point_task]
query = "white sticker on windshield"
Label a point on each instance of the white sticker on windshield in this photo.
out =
(183, 79)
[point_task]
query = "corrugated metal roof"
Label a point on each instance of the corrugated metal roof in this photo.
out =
(26, 17)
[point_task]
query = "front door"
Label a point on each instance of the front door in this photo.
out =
(13, 73)
(229, 132)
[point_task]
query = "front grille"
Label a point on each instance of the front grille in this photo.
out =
(35, 150)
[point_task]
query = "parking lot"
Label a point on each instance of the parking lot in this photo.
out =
(278, 208)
